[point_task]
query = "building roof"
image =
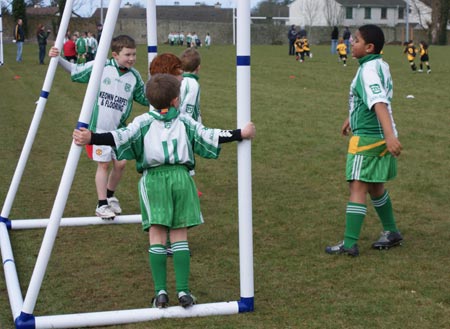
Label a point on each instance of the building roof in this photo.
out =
(37, 11)
(45, 11)
(372, 3)
(181, 13)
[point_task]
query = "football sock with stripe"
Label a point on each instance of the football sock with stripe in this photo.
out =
(383, 206)
(158, 266)
(182, 265)
(354, 218)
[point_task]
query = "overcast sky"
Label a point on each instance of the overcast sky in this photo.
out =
(96, 3)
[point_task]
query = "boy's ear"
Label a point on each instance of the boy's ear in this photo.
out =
(370, 48)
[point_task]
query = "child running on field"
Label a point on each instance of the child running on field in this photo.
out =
(305, 46)
(424, 57)
(120, 85)
(410, 51)
(373, 148)
(341, 49)
(163, 142)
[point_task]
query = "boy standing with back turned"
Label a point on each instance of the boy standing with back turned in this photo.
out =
(373, 148)
(163, 143)
(120, 85)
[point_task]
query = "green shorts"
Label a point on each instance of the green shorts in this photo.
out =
(168, 197)
(368, 160)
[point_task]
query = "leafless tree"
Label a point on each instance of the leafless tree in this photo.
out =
(311, 8)
(334, 12)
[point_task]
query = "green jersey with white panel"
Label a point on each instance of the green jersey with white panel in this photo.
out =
(190, 96)
(372, 84)
(153, 139)
(118, 88)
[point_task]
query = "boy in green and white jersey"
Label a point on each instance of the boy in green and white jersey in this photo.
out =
(190, 88)
(120, 85)
(374, 146)
(163, 142)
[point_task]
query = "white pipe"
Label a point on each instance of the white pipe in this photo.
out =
(1, 36)
(37, 114)
(152, 35)
(244, 150)
(134, 316)
(24, 224)
(72, 161)
(9, 268)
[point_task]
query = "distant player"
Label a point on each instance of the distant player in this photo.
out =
(341, 49)
(424, 57)
(410, 51)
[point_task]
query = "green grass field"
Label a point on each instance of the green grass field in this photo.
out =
(299, 199)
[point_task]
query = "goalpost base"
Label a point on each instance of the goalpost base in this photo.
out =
(28, 321)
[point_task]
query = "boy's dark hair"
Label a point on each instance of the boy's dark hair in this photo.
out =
(166, 63)
(122, 41)
(424, 44)
(190, 60)
(161, 89)
(373, 34)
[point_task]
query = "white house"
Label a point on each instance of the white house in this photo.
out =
(358, 12)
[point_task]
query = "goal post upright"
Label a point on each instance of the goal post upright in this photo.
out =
(152, 35)
(243, 95)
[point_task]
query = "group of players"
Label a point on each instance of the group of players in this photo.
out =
(411, 53)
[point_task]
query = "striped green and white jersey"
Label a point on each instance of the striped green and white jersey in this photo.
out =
(116, 94)
(372, 84)
(153, 139)
(190, 96)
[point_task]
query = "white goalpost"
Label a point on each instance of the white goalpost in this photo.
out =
(1, 37)
(22, 307)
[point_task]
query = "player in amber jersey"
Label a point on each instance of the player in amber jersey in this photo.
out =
(424, 57)
(341, 49)
(410, 51)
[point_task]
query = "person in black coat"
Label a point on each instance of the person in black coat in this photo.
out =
(334, 39)
(292, 36)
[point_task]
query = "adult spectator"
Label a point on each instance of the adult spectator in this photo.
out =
(19, 38)
(99, 31)
(346, 36)
(334, 39)
(42, 36)
(302, 32)
(292, 36)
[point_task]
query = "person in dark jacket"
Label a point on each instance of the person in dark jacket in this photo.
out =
(334, 39)
(42, 36)
(292, 36)
(19, 38)
(346, 36)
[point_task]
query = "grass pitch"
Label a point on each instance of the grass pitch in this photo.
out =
(299, 198)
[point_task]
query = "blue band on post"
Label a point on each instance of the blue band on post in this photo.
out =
(44, 94)
(246, 305)
(82, 125)
(152, 49)
(25, 321)
(243, 60)
(6, 221)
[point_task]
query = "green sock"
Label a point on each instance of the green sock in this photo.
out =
(158, 266)
(354, 218)
(383, 206)
(182, 265)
